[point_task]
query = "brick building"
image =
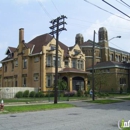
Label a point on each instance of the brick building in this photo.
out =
(32, 64)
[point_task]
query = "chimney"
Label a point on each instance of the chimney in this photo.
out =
(21, 35)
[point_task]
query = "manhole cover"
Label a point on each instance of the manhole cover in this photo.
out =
(13, 116)
(73, 114)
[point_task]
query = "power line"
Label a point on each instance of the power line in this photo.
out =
(55, 7)
(105, 10)
(94, 23)
(40, 3)
(116, 8)
(116, 46)
(122, 4)
(125, 3)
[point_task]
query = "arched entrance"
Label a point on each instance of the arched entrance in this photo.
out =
(65, 79)
(78, 83)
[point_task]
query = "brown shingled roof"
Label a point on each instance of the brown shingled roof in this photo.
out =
(43, 40)
(109, 64)
(12, 49)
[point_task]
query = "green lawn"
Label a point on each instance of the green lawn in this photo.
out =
(39, 107)
(106, 101)
(24, 100)
(126, 128)
(128, 98)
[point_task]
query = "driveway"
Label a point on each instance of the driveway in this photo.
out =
(85, 116)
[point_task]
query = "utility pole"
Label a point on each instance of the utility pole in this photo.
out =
(93, 94)
(56, 23)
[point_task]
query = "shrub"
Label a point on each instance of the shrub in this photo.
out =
(39, 94)
(26, 93)
(86, 93)
(19, 94)
(70, 94)
(79, 93)
(32, 94)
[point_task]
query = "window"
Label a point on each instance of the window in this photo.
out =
(36, 76)
(16, 62)
(111, 57)
(73, 63)
(107, 70)
(25, 63)
(48, 80)
(24, 81)
(66, 63)
(78, 64)
(117, 58)
(122, 80)
(54, 61)
(59, 62)
(48, 60)
(81, 64)
(76, 52)
(10, 55)
(36, 59)
(53, 47)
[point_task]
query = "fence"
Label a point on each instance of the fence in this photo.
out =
(9, 92)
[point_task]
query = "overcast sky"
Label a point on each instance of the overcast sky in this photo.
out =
(34, 16)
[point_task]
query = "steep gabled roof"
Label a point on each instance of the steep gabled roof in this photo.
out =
(10, 50)
(39, 41)
(43, 40)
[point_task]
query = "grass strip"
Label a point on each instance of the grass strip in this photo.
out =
(38, 107)
(126, 128)
(107, 101)
(125, 98)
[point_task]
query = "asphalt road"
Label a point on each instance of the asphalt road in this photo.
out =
(85, 116)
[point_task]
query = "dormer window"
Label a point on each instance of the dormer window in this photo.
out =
(52, 47)
(10, 55)
(76, 52)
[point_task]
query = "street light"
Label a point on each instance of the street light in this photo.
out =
(114, 37)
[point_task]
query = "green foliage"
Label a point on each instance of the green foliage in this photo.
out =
(32, 94)
(101, 80)
(39, 94)
(80, 93)
(26, 93)
(86, 93)
(121, 90)
(128, 90)
(62, 85)
(102, 94)
(19, 94)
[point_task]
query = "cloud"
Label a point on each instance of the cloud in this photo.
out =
(115, 27)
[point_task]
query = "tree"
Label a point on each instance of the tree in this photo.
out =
(100, 80)
(62, 85)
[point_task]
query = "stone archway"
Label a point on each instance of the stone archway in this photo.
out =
(78, 83)
(65, 79)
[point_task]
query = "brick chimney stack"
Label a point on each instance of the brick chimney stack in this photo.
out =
(21, 35)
